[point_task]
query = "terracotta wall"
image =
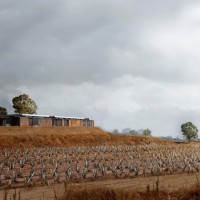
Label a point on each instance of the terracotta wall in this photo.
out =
(63, 122)
(24, 121)
(45, 122)
(75, 122)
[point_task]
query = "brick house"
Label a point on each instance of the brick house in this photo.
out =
(43, 120)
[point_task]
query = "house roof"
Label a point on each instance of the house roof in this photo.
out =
(35, 115)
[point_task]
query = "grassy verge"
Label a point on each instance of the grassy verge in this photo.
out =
(192, 193)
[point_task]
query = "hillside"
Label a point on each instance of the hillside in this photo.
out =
(62, 136)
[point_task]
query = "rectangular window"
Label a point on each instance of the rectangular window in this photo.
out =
(89, 123)
(66, 122)
(57, 122)
(84, 123)
(7, 122)
(34, 122)
(16, 121)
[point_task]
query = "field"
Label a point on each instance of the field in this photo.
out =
(50, 162)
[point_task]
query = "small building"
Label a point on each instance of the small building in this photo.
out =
(43, 120)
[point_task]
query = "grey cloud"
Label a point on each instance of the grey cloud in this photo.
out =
(126, 102)
(125, 60)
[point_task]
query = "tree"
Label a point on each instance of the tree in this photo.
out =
(23, 104)
(3, 111)
(133, 132)
(189, 130)
(147, 132)
(126, 130)
(115, 131)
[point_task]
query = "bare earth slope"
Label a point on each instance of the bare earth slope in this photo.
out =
(11, 137)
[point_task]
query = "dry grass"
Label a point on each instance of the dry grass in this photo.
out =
(136, 139)
(72, 191)
(62, 136)
(50, 136)
(192, 193)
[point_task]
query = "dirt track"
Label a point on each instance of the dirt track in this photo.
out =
(168, 183)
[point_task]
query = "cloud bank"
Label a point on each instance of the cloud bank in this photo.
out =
(124, 63)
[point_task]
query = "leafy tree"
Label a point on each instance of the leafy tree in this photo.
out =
(189, 130)
(126, 130)
(115, 131)
(133, 132)
(3, 111)
(23, 104)
(147, 132)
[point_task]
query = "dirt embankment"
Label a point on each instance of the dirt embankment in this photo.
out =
(62, 136)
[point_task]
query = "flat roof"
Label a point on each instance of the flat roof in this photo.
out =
(34, 115)
(50, 116)
(65, 117)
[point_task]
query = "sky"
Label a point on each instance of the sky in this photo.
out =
(124, 63)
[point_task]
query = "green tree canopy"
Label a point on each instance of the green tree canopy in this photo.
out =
(3, 111)
(147, 132)
(23, 104)
(189, 130)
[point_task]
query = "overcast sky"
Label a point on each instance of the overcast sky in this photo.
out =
(123, 63)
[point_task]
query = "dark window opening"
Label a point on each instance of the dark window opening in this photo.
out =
(57, 122)
(84, 123)
(7, 122)
(16, 121)
(34, 122)
(89, 123)
(66, 122)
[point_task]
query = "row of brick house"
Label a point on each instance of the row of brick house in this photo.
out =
(43, 120)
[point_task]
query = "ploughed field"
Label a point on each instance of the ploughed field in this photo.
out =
(40, 160)
(24, 167)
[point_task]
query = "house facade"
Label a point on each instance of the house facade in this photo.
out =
(43, 120)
